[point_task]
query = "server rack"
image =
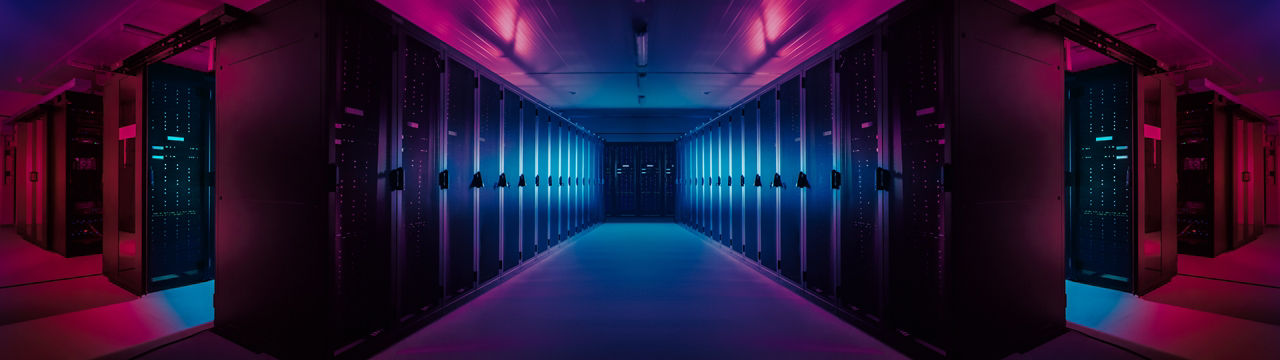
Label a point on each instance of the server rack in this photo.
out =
(159, 179)
(767, 105)
(421, 282)
(948, 156)
(1119, 179)
(529, 181)
(726, 190)
(639, 183)
(1216, 211)
(488, 159)
(750, 181)
(58, 205)
(461, 176)
(862, 200)
(554, 138)
(790, 175)
(819, 182)
(737, 181)
(508, 180)
(381, 185)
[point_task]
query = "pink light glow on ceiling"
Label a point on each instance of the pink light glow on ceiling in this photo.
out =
(702, 54)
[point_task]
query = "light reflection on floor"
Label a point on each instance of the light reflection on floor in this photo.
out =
(109, 329)
(1193, 317)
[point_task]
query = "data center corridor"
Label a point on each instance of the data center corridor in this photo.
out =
(640, 290)
(670, 179)
(636, 290)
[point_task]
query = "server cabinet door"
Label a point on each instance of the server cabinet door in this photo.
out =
(80, 179)
(179, 241)
(716, 174)
(1100, 116)
(509, 180)
(819, 274)
(38, 180)
(420, 275)
(543, 183)
(553, 170)
(22, 167)
(695, 156)
(859, 129)
(750, 170)
(735, 176)
(488, 157)
(708, 186)
(459, 169)
(363, 287)
(770, 190)
(915, 257)
(1201, 157)
(530, 176)
(726, 171)
(574, 184)
(790, 154)
(701, 182)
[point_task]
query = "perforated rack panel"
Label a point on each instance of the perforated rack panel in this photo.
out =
(735, 175)
(916, 262)
(545, 191)
(819, 138)
(726, 189)
(529, 194)
(860, 146)
(769, 195)
(460, 113)
(420, 285)
(488, 147)
(1197, 165)
(179, 242)
(511, 224)
(751, 198)
(554, 136)
(1100, 114)
(84, 173)
(790, 155)
(718, 172)
(363, 260)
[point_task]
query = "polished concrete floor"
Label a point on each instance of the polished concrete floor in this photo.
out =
(640, 291)
(63, 308)
(634, 290)
(1227, 307)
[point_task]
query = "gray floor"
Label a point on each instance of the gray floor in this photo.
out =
(635, 291)
(640, 290)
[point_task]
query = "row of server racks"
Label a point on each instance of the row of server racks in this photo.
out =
(368, 176)
(641, 181)
(1221, 173)
(911, 175)
(58, 163)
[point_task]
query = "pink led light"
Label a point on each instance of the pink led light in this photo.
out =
(413, 125)
(866, 125)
